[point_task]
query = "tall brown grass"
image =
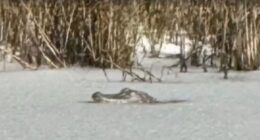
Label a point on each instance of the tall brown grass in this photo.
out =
(103, 33)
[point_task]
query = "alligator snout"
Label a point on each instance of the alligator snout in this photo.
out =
(97, 97)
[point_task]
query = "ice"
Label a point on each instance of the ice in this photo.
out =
(52, 104)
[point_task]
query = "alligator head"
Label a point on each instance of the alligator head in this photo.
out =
(126, 95)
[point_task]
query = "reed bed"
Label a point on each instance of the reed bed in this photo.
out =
(103, 33)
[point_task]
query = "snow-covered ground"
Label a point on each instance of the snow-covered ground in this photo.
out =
(167, 47)
(52, 104)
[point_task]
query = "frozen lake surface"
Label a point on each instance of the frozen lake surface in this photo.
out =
(52, 105)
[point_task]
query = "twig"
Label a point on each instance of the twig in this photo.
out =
(23, 63)
(134, 75)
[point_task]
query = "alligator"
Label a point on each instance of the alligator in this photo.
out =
(127, 95)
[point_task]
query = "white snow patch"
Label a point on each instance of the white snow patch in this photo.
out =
(167, 46)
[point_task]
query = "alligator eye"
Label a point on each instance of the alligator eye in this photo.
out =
(124, 90)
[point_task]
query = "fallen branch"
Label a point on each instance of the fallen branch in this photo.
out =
(134, 75)
(23, 63)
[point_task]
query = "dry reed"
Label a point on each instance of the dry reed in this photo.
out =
(103, 33)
